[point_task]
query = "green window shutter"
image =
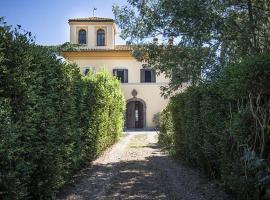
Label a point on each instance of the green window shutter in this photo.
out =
(125, 76)
(142, 75)
(153, 76)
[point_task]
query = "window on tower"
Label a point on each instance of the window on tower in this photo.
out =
(100, 37)
(82, 36)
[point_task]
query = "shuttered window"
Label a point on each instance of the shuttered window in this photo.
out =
(148, 76)
(121, 74)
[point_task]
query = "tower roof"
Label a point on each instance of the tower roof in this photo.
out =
(91, 19)
(85, 49)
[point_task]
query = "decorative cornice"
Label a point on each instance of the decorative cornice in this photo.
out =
(91, 19)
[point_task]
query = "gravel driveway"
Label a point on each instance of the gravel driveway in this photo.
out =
(135, 168)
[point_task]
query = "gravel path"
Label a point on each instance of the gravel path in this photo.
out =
(135, 168)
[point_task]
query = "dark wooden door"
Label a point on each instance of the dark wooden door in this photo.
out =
(134, 115)
(130, 115)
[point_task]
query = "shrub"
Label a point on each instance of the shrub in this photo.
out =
(52, 120)
(156, 120)
(106, 121)
(165, 136)
(222, 127)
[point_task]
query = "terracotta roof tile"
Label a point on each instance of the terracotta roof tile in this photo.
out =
(91, 19)
(116, 48)
(123, 47)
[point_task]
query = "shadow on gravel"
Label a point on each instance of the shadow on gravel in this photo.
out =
(123, 180)
(156, 177)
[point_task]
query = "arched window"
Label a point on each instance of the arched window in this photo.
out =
(82, 36)
(100, 37)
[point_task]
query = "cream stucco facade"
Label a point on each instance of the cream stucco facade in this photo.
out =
(91, 29)
(118, 57)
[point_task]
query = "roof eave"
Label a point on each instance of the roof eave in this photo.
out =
(75, 20)
(97, 50)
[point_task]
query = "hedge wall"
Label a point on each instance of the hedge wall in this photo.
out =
(223, 127)
(52, 120)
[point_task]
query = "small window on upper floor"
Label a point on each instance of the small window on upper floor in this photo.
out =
(121, 74)
(82, 36)
(100, 37)
(148, 76)
(86, 70)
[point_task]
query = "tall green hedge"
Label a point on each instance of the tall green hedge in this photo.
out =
(52, 120)
(223, 127)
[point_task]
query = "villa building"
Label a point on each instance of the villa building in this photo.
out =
(97, 51)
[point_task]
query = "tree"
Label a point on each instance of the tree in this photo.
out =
(52, 119)
(196, 35)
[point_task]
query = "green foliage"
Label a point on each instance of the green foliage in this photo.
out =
(52, 120)
(156, 120)
(220, 123)
(223, 127)
(107, 110)
(195, 35)
(165, 136)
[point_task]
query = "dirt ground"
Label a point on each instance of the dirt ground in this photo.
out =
(135, 168)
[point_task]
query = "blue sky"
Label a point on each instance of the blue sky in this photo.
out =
(48, 19)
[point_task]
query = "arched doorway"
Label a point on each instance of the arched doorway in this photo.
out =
(135, 114)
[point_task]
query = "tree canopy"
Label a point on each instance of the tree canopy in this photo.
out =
(52, 119)
(196, 36)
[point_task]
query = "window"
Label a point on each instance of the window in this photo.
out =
(148, 76)
(82, 36)
(86, 70)
(121, 74)
(100, 37)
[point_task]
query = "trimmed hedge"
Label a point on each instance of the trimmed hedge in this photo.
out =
(52, 120)
(223, 127)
